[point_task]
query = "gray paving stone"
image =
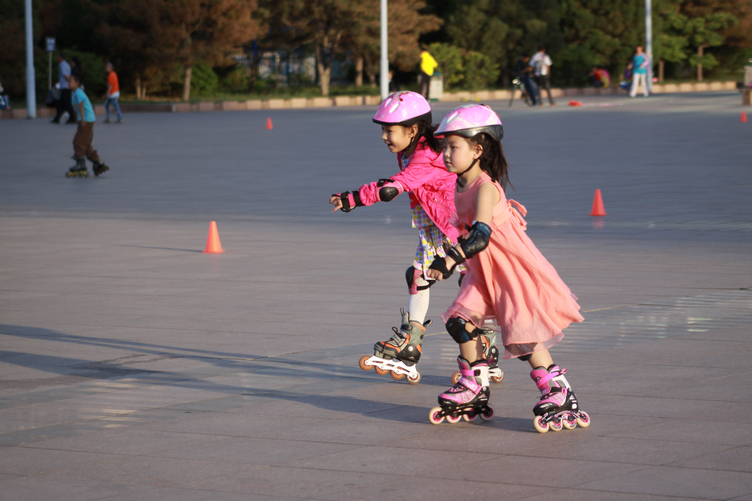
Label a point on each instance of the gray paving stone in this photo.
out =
(132, 366)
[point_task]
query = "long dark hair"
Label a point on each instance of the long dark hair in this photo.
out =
(493, 160)
(425, 130)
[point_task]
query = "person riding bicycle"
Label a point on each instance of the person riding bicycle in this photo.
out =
(524, 71)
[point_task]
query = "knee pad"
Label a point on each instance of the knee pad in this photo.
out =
(456, 328)
(411, 277)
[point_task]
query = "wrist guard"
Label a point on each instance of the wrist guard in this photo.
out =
(440, 264)
(476, 239)
(349, 200)
(455, 254)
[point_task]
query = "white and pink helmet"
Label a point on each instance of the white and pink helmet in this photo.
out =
(470, 120)
(403, 108)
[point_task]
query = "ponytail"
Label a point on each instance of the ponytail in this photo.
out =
(493, 161)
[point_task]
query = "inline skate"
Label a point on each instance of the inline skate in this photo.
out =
(99, 168)
(400, 354)
(491, 354)
(558, 406)
(468, 398)
(78, 170)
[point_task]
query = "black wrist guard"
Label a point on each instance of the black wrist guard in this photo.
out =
(455, 254)
(440, 264)
(347, 206)
(476, 239)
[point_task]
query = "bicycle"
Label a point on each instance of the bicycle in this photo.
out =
(518, 85)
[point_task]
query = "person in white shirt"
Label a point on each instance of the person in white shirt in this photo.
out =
(542, 64)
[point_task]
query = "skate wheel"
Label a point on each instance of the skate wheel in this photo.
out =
(472, 416)
(583, 420)
(396, 376)
(498, 379)
(435, 415)
(556, 425)
(569, 422)
(362, 363)
(380, 371)
(453, 419)
(488, 414)
(414, 379)
(539, 425)
(456, 377)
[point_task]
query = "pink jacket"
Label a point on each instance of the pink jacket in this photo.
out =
(430, 185)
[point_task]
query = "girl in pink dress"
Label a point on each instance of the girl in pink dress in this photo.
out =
(508, 280)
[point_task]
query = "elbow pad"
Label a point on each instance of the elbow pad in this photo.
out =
(389, 190)
(476, 239)
(349, 200)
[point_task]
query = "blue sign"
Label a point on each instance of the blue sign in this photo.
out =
(50, 45)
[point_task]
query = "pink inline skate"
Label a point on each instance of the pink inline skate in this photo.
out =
(558, 406)
(468, 398)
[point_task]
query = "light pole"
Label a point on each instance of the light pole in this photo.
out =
(384, 68)
(649, 44)
(31, 93)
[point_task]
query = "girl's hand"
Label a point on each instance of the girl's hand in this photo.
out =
(336, 202)
(433, 275)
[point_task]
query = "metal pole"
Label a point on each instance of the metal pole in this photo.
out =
(384, 69)
(31, 95)
(649, 43)
(49, 79)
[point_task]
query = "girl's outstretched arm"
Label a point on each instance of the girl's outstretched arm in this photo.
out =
(487, 198)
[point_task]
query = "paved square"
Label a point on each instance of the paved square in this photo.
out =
(134, 367)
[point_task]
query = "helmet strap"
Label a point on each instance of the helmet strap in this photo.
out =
(459, 182)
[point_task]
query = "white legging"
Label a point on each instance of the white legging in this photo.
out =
(639, 78)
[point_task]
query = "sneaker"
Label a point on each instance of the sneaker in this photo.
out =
(119, 121)
(106, 121)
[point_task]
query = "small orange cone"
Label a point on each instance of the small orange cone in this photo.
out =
(744, 117)
(213, 246)
(598, 209)
(269, 123)
(575, 103)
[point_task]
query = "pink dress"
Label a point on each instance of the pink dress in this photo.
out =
(510, 281)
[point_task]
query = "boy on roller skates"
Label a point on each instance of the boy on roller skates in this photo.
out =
(82, 148)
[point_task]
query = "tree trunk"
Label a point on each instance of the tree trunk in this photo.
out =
(359, 71)
(325, 74)
(187, 82)
(699, 63)
(660, 71)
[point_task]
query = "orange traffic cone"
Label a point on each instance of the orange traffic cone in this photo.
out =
(598, 209)
(744, 117)
(213, 246)
(269, 123)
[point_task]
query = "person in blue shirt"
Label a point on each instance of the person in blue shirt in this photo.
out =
(639, 67)
(82, 148)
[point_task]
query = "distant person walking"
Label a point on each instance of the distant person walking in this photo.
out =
(639, 72)
(82, 147)
(427, 66)
(4, 100)
(64, 104)
(541, 64)
(113, 94)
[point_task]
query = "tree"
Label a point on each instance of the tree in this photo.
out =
(686, 37)
(152, 36)
(406, 24)
(322, 24)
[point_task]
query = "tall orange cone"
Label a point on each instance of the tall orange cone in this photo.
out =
(744, 116)
(213, 246)
(269, 123)
(598, 209)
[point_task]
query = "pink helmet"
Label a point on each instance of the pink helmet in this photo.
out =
(470, 120)
(403, 108)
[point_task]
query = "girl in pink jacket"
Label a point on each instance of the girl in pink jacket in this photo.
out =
(405, 119)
